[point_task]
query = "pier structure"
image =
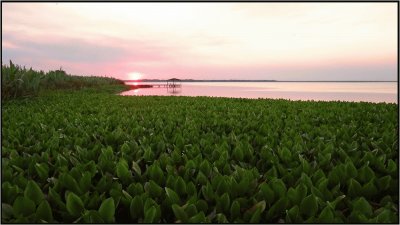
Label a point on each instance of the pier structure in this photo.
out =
(174, 84)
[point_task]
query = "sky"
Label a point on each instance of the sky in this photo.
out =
(269, 41)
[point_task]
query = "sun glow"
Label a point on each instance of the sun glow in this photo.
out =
(134, 76)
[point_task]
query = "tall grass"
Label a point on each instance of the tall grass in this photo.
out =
(21, 82)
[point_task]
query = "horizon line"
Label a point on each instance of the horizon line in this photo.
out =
(251, 80)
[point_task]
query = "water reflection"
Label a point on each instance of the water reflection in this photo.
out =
(333, 91)
(174, 89)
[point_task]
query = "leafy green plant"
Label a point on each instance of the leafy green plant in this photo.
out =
(90, 156)
(20, 82)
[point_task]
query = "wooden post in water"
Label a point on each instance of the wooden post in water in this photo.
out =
(173, 84)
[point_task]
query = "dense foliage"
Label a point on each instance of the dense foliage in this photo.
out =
(21, 82)
(96, 157)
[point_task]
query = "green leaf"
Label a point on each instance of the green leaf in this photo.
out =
(68, 181)
(201, 178)
(107, 210)
(293, 215)
(126, 198)
(94, 201)
(44, 212)
(279, 187)
(295, 195)
(153, 189)
(284, 154)
(292, 195)
(191, 189)
(309, 206)
(351, 170)
(365, 174)
(207, 192)
(42, 170)
(369, 190)
(191, 210)
(9, 192)
(327, 215)
(267, 193)
(255, 218)
(125, 148)
(202, 205)
(306, 168)
(172, 197)
(235, 209)
(23, 206)
(179, 213)
(306, 180)
(384, 182)
(333, 177)
(277, 209)
(362, 205)
(190, 165)
(259, 205)
(198, 218)
(222, 187)
(92, 216)
(148, 155)
(224, 202)
(138, 189)
(391, 167)
(148, 203)
(221, 218)
(74, 205)
(136, 168)
(385, 217)
(136, 207)
(85, 182)
(238, 154)
(301, 192)
(205, 167)
(386, 200)
(33, 192)
(318, 194)
(180, 186)
(150, 215)
(335, 202)
(123, 171)
(6, 211)
(56, 198)
(354, 188)
(156, 174)
(357, 217)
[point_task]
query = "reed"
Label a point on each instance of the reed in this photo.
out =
(17, 81)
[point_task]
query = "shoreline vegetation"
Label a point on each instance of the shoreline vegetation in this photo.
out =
(75, 152)
(17, 81)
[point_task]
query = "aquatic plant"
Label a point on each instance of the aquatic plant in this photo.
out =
(90, 157)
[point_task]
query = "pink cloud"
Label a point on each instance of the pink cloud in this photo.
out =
(233, 41)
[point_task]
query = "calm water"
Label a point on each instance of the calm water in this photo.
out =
(325, 91)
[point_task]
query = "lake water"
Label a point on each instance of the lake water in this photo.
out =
(324, 91)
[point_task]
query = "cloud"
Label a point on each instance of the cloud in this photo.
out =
(229, 40)
(73, 50)
(84, 53)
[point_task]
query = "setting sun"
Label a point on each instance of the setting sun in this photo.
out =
(134, 76)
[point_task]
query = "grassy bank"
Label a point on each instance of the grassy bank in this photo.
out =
(92, 156)
(19, 82)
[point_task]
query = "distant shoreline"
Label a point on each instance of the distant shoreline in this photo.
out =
(190, 80)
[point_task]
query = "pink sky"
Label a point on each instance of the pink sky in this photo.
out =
(281, 41)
